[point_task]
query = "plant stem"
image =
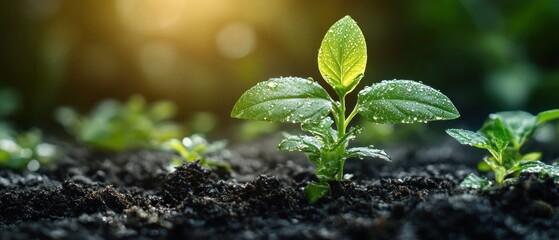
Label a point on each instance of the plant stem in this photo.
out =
(341, 126)
(351, 115)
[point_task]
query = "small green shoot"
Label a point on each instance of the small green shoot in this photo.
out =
(194, 148)
(25, 151)
(114, 126)
(342, 59)
(503, 134)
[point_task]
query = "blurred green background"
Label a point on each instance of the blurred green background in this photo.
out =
(487, 56)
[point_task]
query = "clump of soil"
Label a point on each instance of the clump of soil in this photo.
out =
(133, 195)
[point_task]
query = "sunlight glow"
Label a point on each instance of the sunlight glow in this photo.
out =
(150, 15)
(236, 40)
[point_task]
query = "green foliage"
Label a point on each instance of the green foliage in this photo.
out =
(342, 59)
(24, 150)
(476, 182)
(115, 126)
(194, 148)
(10, 102)
(503, 134)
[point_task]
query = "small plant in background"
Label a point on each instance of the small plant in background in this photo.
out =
(115, 126)
(342, 60)
(503, 134)
(196, 148)
(25, 150)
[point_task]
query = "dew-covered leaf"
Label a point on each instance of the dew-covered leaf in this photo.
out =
(301, 143)
(501, 135)
(541, 168)
(404, 101)
(342, 56)
(519, 124)
(473, 181)
(370, 151)
(287, 99)
(322, 129)
(547, 116)
(467, 137)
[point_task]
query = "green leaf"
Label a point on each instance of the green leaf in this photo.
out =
(315, 191)
(287, 99)
(475, 182)
(370, 151)
(483, 167)
(533, 156)
(501, 136)
(162, 110)
(547, 116)
(520, 125)
(467, 137)
(322, 129)
(404, 101)
(539, 167)
(307, 144)
(342, 57)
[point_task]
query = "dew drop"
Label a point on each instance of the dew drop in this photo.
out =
(272, 84)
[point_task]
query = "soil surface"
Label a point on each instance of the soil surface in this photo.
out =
(134, 195)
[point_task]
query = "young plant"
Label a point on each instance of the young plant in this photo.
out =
(503, 134)
(342, 59)
(196, 148)
(25, 150)
(115, 126)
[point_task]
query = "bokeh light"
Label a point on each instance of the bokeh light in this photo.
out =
(236, 40)
(203, 54)
(150, 15)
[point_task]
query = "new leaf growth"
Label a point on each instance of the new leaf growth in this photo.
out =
(342, 59)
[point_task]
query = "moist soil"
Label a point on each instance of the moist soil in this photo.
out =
(134, 195)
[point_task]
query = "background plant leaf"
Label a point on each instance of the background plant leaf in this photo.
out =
(288, 99)
(519, 124)
(404, 101)
(342, 57)
(547, 116)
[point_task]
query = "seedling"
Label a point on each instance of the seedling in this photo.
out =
(503, 134)
(196, 148)
(25, 150)
(116, 126)
(342, 59)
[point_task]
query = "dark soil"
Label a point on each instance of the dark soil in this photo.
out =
(132, 195)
